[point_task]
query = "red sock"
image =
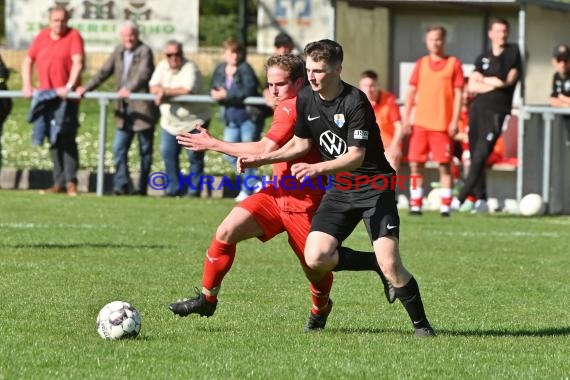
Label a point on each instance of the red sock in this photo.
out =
(320, 293)
(471, 198)
(218, 261)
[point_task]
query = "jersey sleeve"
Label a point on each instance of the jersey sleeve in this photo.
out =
(301, 127)
(360, 120)
(283, 124)
(479, 64)
(554, 92)
(517, 60)
(414, 78)
(458, 78)
(393, 108)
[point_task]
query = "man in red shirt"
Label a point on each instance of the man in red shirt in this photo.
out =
(435, 91)
(387, 114)
(57, 54)
(282, 205)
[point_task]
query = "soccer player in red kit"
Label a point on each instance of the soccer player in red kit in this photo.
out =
(281, 206)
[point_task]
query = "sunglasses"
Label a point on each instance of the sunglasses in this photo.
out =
(170, 55)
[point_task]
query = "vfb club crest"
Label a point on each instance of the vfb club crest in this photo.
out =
(339, 119)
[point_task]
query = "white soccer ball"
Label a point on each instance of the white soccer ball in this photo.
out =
(531, 205)
(118, 320)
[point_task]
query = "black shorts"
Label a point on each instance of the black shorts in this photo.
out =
(338, 215)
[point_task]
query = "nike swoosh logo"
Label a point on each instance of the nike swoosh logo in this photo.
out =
(390, 227)
(312, 118)
(212, 259)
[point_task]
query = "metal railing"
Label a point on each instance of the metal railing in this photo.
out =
(105, 97)
(548, 114)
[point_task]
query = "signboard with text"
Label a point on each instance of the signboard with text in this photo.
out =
(304, 20)
(98, 21)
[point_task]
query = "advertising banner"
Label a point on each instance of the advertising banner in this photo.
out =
(98, 21)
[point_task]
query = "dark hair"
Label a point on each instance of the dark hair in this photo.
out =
(440, 28)
(283, 39)
(325, 50)
(369, 74)
(291, 63)
(498, 20)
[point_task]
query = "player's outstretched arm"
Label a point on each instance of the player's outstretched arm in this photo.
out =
(294, 148)
(203, 141)
(349, 161)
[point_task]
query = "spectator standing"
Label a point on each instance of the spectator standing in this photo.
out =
(560, 95)
(132, 65)
(175, 76)
(232, 82)
(57, 55)
(435, 92)
(387, 114)
(493, 81)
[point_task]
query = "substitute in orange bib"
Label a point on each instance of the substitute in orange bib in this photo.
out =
(434, 92)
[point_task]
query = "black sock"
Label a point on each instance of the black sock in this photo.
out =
(409, 295)
(349, 259)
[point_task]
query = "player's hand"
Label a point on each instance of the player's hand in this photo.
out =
(245, 162)
(198, 142)
(394, 155)
(301, 170)
(406, 128)
(452, 129)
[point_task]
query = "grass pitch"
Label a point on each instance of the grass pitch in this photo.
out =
(495, 288)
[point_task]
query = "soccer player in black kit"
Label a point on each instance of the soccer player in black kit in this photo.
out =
(493, 82)
(340, 120)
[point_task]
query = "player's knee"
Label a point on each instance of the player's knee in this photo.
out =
(225, 233)
(316, 261)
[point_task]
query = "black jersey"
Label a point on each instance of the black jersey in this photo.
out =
(346, 121)
(560, 85)
(500, 99)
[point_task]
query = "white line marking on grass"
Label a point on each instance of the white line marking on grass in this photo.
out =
(59, 225)
(501, 234)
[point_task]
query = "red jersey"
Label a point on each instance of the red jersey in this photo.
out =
(294, 196)
(52, 58)
(387, 112)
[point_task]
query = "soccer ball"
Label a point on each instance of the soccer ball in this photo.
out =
(531, 205)
(118, 320)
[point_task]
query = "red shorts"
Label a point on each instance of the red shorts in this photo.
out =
(273, 220)
(424, 141)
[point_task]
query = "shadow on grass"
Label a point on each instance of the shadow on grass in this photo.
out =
(83, 245)
(539, 332)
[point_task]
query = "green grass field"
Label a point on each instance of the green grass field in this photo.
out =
(495, 288)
